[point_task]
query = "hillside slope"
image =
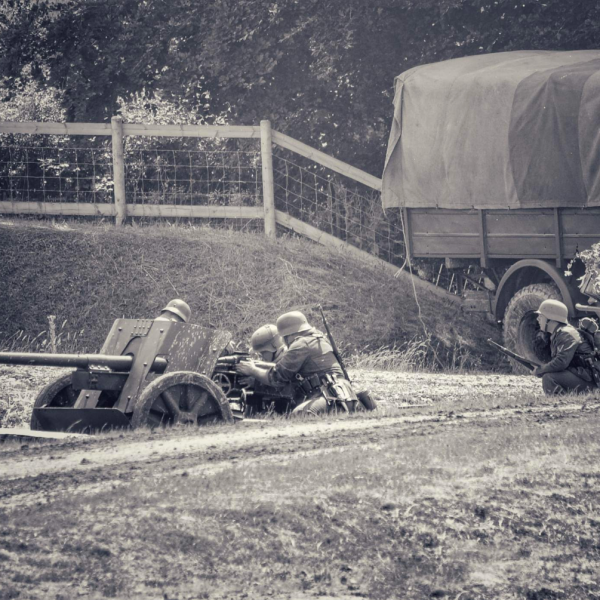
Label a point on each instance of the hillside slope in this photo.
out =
(88, 275)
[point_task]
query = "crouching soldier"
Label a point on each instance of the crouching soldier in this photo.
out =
(309, 364)
(568, 370)
(268, 343)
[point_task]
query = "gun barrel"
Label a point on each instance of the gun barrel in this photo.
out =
(80, 361)
(236, 360)
(334, 347)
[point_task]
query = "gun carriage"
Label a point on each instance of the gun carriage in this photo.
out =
(249, 398)
(148, 373)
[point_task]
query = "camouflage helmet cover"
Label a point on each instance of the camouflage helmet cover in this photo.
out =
(266, 338)
(292, 322)
(180, 308)
(554, 310)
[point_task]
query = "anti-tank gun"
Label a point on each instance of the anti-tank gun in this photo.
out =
(148, 373)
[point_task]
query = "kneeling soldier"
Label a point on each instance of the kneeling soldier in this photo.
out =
(310, 366)
(568, 371)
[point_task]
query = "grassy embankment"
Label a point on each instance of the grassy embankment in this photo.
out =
(462, 510)
(89, 275)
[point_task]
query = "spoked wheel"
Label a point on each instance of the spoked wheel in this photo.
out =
(58, 393)
(181, 397)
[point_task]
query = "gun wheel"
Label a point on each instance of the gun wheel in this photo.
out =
(58, 393)
(181, 397)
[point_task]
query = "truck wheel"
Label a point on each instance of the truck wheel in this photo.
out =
(521, 330)
(58, 393)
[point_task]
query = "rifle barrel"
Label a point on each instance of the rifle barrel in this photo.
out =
(334, 347)
(531, 364)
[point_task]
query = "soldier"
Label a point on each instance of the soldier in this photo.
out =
(568, 370)
(310, 366)
(268, 343)
(177, 310)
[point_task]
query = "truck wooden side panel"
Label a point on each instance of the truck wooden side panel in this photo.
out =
(550, 234)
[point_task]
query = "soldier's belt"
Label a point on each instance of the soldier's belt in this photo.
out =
(316, 382)
(308, 384)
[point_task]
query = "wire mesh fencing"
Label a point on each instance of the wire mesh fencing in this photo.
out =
(184, 172)
(189, 171)
(157, 170)
(337, 205)
(44, 168)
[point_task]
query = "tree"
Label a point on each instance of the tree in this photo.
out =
(320, 72)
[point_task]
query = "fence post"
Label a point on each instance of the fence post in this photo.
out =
(118, 169)
(266, 151)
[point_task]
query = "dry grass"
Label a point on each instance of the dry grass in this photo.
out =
(88, 275)
(418, 354)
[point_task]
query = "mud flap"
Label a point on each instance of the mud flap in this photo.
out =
(88, 420)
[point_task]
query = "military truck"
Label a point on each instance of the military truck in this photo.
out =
(493, 162)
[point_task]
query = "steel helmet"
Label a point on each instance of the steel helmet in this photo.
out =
(292, 322)
(588, 325)
(266, 338)
(554, 310)
(180, 308)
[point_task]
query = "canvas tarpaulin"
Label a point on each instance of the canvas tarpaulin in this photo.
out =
(504, 130)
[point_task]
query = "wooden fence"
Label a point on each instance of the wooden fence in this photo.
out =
(120, 209)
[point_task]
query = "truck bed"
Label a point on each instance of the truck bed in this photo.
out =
(549, 233)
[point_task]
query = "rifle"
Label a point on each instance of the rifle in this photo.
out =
(333, 345)
(364, 397)
(530, 364)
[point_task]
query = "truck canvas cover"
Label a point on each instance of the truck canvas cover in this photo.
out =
(505, 130)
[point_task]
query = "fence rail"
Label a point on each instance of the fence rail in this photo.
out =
(122, 170)
(121, 176)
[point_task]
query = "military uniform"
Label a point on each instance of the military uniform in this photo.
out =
(567, 371)
(310, 365)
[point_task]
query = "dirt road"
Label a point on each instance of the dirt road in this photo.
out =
(410, 403)
(458, 486)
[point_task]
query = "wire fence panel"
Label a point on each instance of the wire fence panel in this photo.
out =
(44, 168)
(336, 205)
(192, 172)
(180, 172)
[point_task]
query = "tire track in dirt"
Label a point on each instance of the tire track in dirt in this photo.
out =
(91, 466)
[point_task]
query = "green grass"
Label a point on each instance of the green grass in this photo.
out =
(485, 511)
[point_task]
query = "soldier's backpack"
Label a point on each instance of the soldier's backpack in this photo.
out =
(590, 332)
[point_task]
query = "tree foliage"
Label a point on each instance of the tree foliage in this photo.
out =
(322, 72)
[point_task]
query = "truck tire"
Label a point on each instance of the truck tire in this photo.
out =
(520, 323)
